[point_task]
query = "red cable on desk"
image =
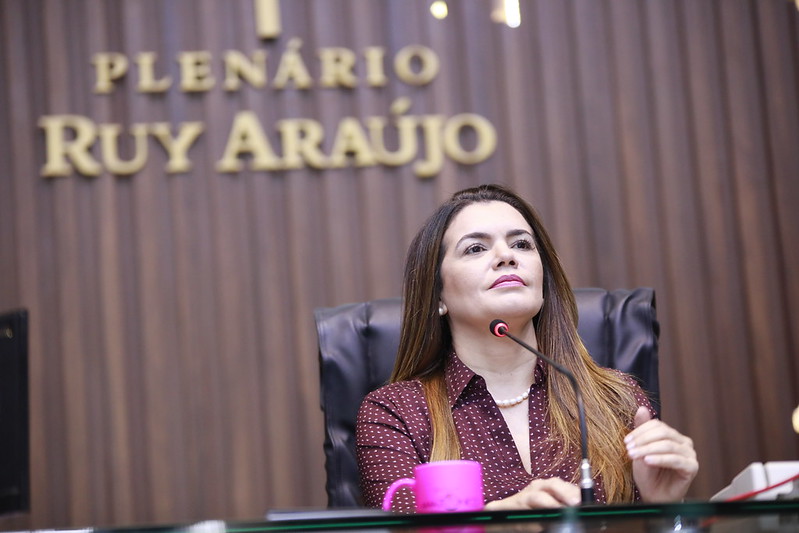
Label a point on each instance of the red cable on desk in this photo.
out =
(747, 495)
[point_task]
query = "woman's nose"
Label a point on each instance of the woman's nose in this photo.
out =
(505, 256)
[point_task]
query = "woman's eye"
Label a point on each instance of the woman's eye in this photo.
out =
(523, 244)
(474, 248)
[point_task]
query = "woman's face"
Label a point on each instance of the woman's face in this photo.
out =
(491, 266)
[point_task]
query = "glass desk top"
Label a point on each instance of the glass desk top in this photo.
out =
(721, 517)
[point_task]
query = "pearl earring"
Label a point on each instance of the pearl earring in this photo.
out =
(442, 309)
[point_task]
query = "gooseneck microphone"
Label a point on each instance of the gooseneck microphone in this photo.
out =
(500, 329)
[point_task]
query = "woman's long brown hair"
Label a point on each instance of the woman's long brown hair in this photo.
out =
(425, 342)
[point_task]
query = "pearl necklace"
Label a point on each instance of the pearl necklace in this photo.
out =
(513, 401)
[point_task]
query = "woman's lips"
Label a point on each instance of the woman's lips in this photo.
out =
(508, 281)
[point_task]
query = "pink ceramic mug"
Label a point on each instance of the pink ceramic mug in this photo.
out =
(443, 486)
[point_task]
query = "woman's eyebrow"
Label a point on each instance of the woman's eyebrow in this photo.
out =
(479, 235)
(517, 232)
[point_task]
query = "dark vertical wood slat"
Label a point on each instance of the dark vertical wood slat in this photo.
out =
(419, 196)
(271, 288)
(178, 21)
(339, 188)
(447, 94)
(780, 67)
(134, 363)
(280, 440)
(88, 226)
(383, 264)
(731, 342)
(119, 471)
(9, 274)
(481, 85)
(219, 403)
(238, 354)
(646, 253)
(265, 237)
(278, 314)
(285, 311)
(526, 123)
(794, 43)
(193, 336)
(754, 191)
(31, 286)
(255, 415)
(125, 472)
(75, 451)
(303, 283)
(151, 219)
(236, 319)
(278, 320)
(631, 88)
(681, 220)
(130, 369)
(72, 348)
(312, 192)
(603, 183)
(257, 463)
(195, 299)
(569, 223)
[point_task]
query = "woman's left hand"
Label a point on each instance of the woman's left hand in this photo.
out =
(664, 460)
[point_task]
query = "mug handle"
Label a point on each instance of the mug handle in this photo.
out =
(404, 482)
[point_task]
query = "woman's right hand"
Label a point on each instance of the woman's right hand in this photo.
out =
(539, 494)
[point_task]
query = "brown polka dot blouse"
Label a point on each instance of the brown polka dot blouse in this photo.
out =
(393, 435)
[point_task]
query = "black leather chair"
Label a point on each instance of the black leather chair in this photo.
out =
(358, 343)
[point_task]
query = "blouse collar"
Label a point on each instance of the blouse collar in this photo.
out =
(458, 376)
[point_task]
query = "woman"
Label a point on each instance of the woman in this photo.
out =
(457, 391)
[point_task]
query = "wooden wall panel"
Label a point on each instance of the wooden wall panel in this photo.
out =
(711, 161)
(753, 186)
(779, 67)
(678, 218)
(601, 165)
(173, 370)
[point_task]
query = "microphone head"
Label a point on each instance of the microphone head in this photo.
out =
(498, 327)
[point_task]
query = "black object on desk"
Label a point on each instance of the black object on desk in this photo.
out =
(14, 444)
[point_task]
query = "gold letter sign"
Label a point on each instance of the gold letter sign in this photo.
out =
(267, 18)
